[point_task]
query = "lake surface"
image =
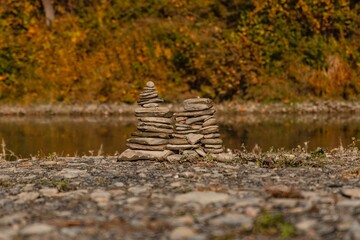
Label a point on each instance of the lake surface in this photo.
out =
(31, 136)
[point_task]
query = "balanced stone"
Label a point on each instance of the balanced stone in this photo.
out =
(148, 141)
(161, 111)
(209, 150)
(213, 146)
(178, 141)
(150, 84)
(151, 134)
(176, 135)
(209, 129)
(154, 129)
(154, 100)
(195, 113)
(134, 155)
(146, 147)
(196, 119)
(194, 138)
(200, 152)
(181, 147)
(155, 120)
(150, 105)
(212, 135)
(194, 123)
(159, 125)
(210, 122)
(212, 141)
(191, 101)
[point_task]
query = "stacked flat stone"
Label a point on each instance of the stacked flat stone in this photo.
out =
(154, 128)
(196, 129)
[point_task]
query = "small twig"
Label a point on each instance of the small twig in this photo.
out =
(3, 145)
(100, 151)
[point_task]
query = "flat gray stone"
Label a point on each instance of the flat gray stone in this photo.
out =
(72, 173)
(49, 192)
(101, 197)
(181, 147)
(13, 218)
(348, 204)
(156, 120)
(151, 134)
(196, 107)
(150, 105)
(224, 157)
(27, 196)
(139, 189)
(306, 225)
(133, 155)
(351, 192)
(210, 122)
(214, 150)
(202, 197)
(212, 135)
(152, 112)
(136, 146)
(242, 221)
(190, 153)
(150, 84)
(148, 141)
(148, 96)
(154, 129)
(148, 101)
(194, 138)
(37, 228)
(194, 113)
(200, 152)
(4, 177)
(178, 141)
(158, 125)
(175, 158)
(177, 135)
(209, 129)
(186, 131)
(213, 146)
(196, 119)
(181, 233)
(197, 101)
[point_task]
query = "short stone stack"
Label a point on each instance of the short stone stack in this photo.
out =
(154, 128)
(196, 130)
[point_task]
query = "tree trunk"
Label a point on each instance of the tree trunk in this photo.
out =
(49, 11)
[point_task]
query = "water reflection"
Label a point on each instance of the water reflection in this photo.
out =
(27, 136)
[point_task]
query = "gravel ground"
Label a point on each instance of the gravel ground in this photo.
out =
(257, 195)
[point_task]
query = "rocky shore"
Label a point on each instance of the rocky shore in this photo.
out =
(257, 195)
(113, 109)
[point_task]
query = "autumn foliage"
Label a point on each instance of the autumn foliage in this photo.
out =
(105, 50)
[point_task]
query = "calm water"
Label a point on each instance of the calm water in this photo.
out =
(27, 136)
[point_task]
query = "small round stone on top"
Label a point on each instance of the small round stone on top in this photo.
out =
(150, 84)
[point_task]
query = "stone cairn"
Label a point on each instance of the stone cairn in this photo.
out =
(154, 128)
(196, 131)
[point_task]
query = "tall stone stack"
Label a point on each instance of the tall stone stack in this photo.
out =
(196, 129)
(154, 128)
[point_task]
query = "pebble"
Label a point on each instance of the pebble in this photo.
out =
(101, 197)
(37, 228)
(352, 192)
(180, 233)
(202, 197)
